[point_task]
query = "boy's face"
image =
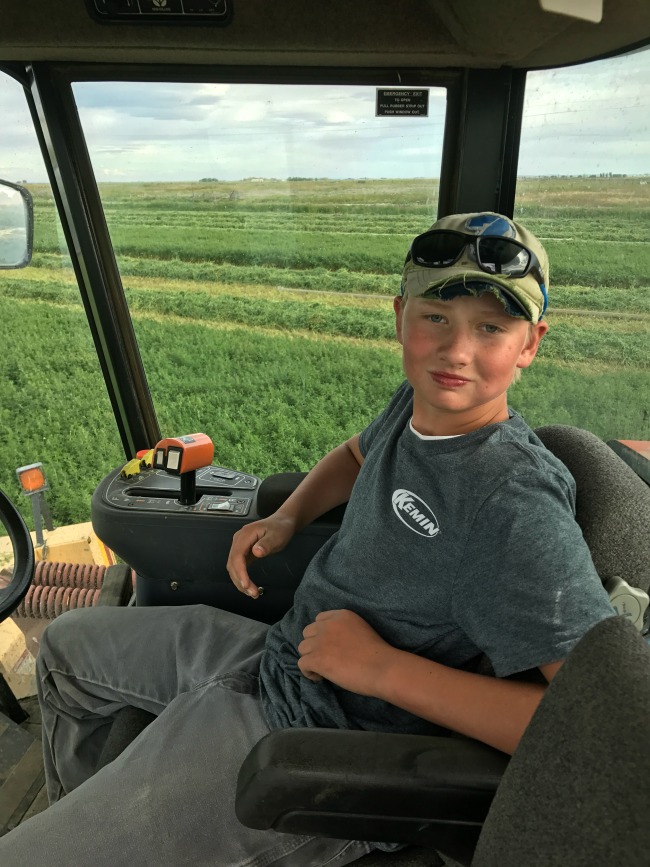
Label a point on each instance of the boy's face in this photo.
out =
(460, 356)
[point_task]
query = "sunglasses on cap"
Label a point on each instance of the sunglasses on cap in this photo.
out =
(494, 254)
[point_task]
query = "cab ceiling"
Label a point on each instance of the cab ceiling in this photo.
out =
(372, 33)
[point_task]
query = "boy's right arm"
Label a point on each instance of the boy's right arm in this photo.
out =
(327, 485)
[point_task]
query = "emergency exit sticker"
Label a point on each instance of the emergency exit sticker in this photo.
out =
(402, 102)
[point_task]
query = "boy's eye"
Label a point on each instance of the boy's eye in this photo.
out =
(435, 317)
(491, 329)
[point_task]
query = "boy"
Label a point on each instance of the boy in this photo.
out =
(458, 543)
(469, 545)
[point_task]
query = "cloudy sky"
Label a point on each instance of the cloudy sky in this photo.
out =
(585, 120)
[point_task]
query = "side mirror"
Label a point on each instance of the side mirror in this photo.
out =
(16, 226)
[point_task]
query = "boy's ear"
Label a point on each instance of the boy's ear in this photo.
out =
(535, 334)
(399, 302)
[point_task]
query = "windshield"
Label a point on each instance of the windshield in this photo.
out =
(260, 232)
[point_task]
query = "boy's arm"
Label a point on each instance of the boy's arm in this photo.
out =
(490, 709)
(341, 647)
(327, 485)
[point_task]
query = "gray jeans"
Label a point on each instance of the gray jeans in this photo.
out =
(169, 798)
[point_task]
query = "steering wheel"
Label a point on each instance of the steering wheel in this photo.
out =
(12, 595)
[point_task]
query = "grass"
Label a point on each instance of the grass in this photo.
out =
(353, 235)
(271, 401)
(53, 406)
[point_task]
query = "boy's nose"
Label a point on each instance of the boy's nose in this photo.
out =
(456, 348)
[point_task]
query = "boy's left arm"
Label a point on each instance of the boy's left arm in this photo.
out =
(342, 648)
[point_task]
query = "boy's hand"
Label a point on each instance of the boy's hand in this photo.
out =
(341, 647)
(257, 540)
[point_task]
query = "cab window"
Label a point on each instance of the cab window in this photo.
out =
(54, 408)
(584, 189)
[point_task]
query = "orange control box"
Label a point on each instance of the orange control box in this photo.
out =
(179, 455)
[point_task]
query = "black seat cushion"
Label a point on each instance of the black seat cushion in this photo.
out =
(612, 503)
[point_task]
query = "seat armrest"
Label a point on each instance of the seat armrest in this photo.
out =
(368, 785)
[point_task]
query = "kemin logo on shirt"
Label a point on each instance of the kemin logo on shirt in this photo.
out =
(414, 513)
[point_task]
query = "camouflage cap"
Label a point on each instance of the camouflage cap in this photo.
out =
(523, 296)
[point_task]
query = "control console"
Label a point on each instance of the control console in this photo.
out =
(171, 515)
(219, 491)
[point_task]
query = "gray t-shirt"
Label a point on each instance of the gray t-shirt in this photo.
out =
(452, 549)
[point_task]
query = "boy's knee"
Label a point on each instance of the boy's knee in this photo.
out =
(68, 629)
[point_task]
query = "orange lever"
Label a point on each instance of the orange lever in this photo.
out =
(179, 455)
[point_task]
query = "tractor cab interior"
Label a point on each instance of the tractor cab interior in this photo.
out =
(434, 793)
(463, 69)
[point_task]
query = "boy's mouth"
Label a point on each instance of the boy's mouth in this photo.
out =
(448, 380)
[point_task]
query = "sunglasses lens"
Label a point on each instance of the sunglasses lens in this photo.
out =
(437, 249)
(502, 256)
(496, 255)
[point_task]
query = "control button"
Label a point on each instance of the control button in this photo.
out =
(223, 474)
(220, 507)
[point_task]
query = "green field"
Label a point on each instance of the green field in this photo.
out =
(264, 317)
